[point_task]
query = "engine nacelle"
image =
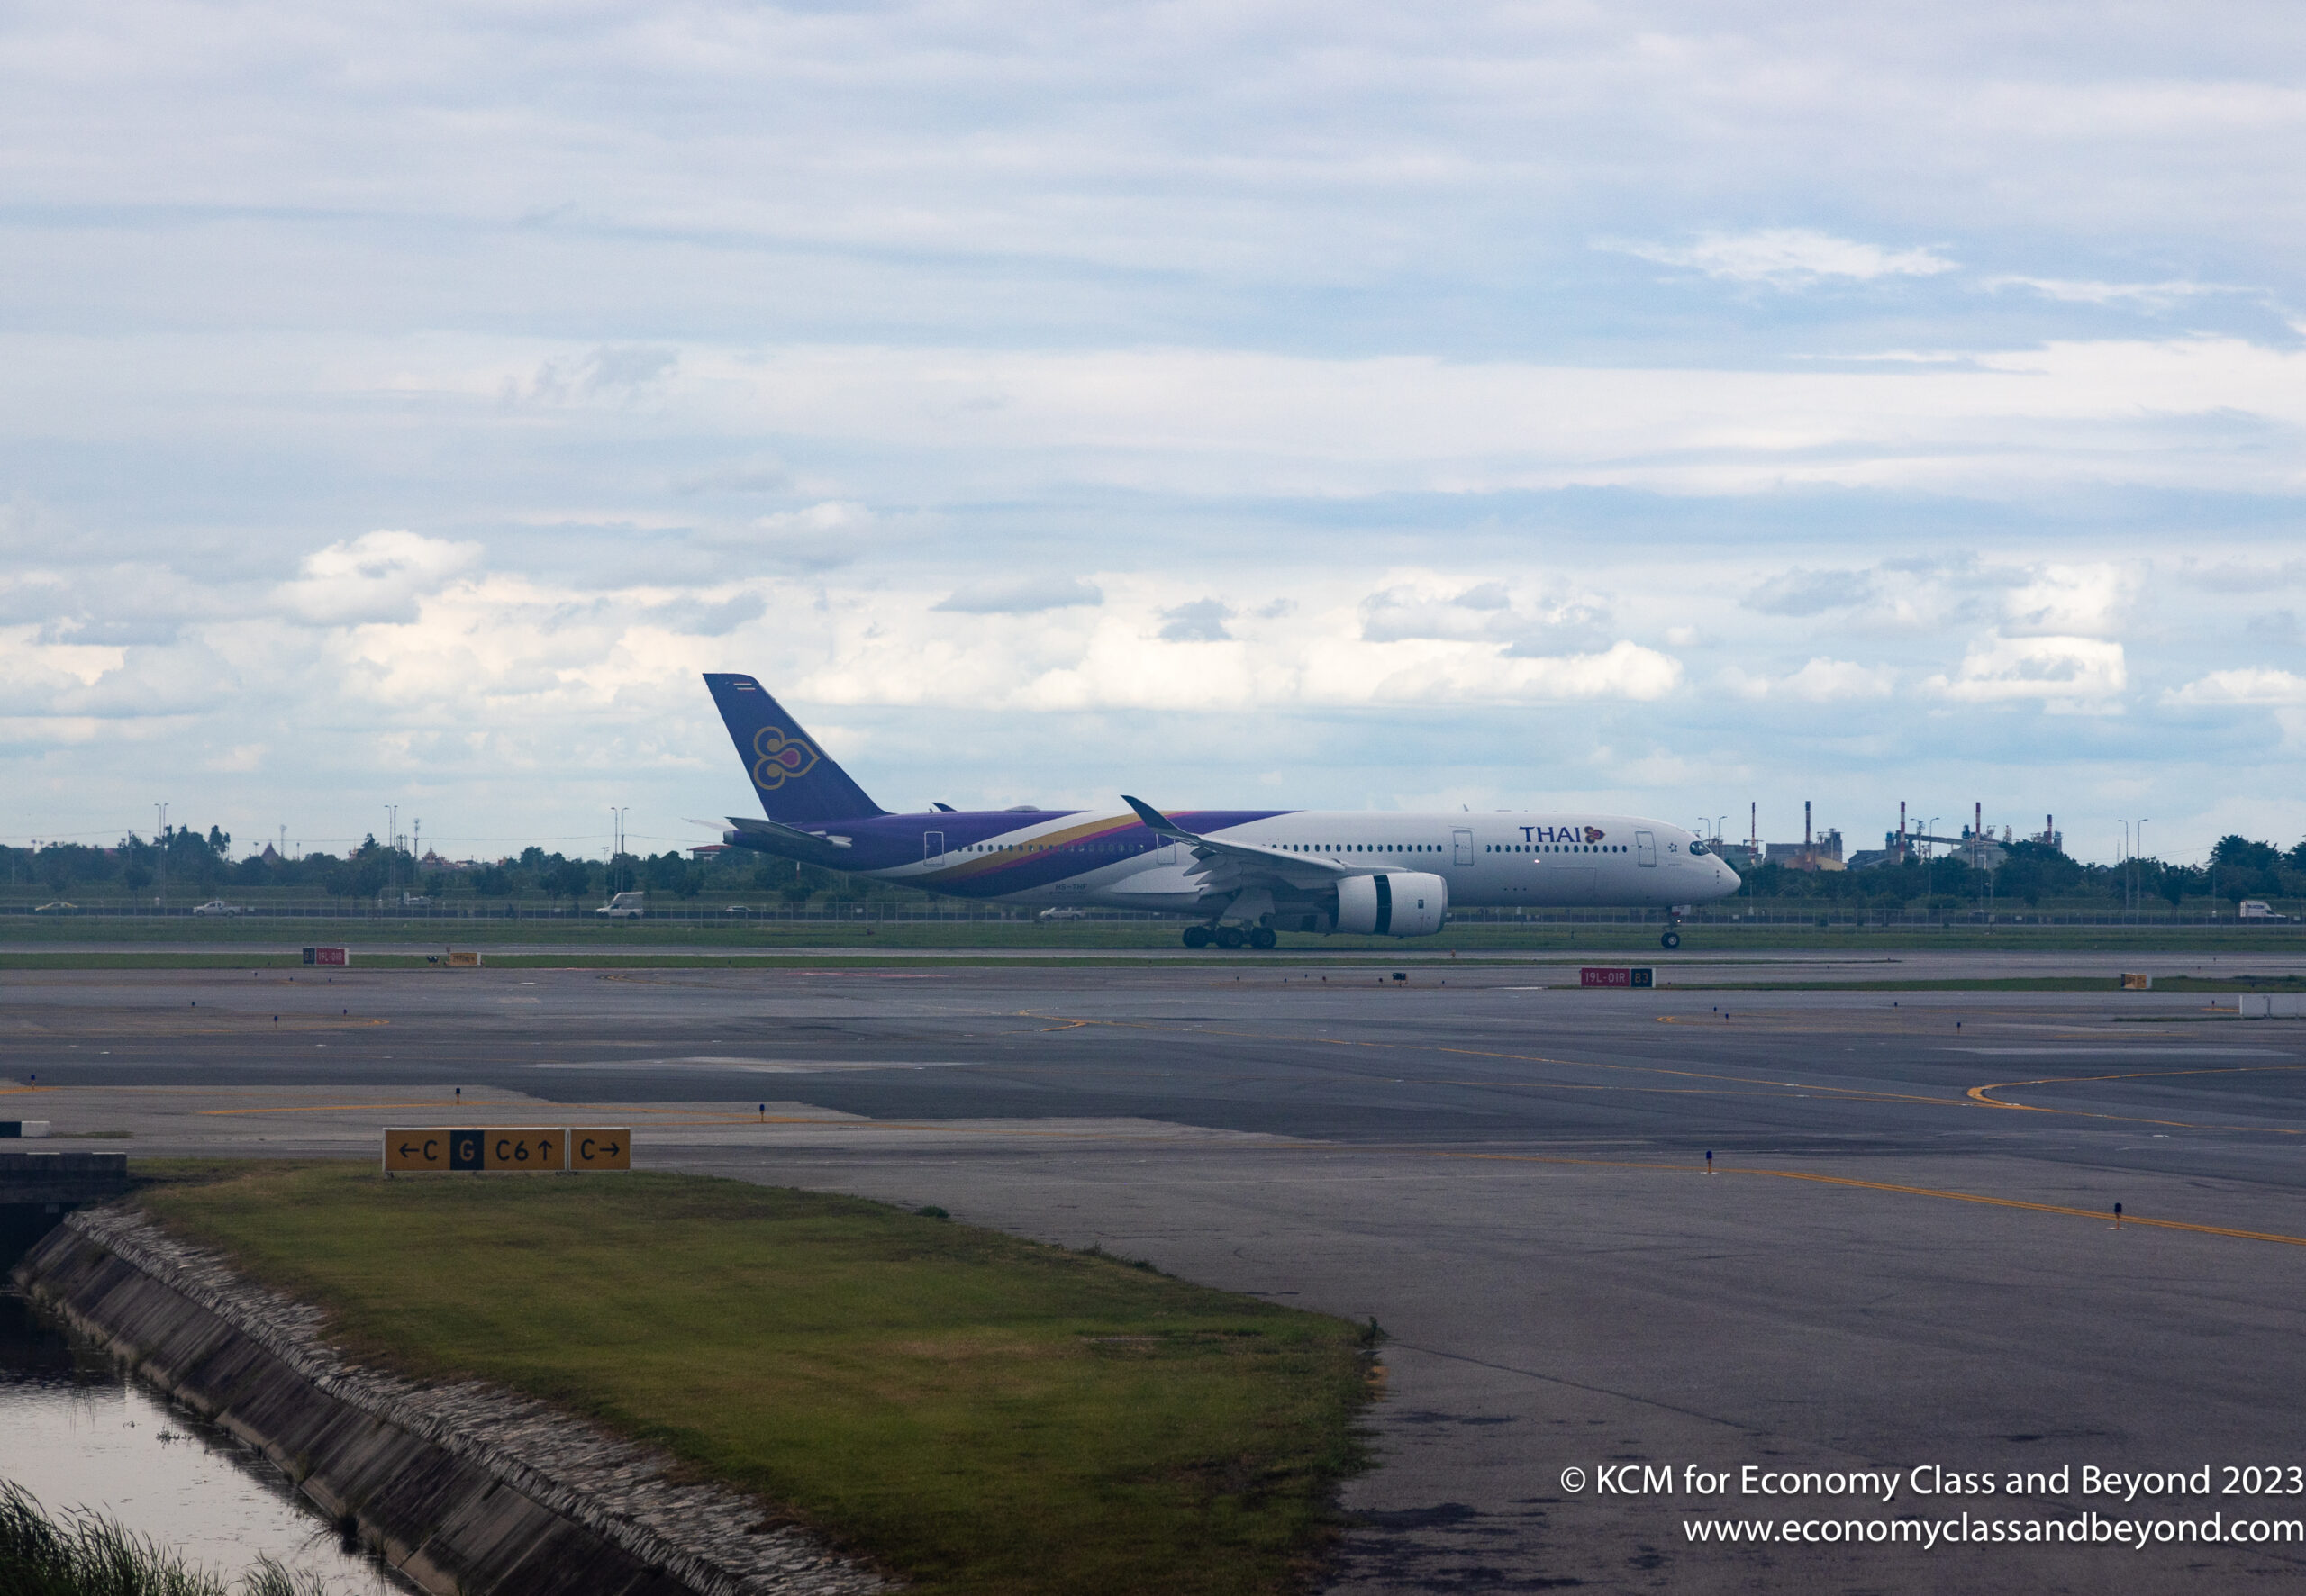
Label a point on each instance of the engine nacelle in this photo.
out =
(1403, 903)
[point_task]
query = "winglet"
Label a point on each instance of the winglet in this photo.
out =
(1155, 820)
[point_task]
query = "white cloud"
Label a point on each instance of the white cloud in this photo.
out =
(1790, 258)
(2249, 685)
(1820, 681)
(2064, 673)
(2069, 600)
(1024, 596)
(375, 576)
(2080, 291)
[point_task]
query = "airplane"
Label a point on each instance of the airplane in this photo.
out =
(1242, 875)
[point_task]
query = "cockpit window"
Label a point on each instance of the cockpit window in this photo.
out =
(1698, 848)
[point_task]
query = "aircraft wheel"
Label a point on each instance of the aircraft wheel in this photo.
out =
(1197, 936)
(1263, 937)
(1670, 939)
(1230, 937)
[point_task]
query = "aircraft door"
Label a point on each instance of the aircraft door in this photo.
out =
(932, 848)
(1464, 839)
(1645, 850)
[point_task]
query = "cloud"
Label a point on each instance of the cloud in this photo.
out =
(2241, 686)
(1800, 593)
(1429, 605)
(705, 618)
(1790, 258)
(2069, 600)
(2062, 672)
(1024, 595)
(2276, 626)
(375, 576)
(1820, 681)
(2078, 291)
(619, 372)
(1200, 621)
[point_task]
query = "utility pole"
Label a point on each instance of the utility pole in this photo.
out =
(616, 848)
(161, 830)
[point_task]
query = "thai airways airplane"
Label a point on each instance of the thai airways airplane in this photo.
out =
(1243, 875)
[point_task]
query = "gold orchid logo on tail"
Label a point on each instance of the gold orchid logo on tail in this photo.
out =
(780, 758)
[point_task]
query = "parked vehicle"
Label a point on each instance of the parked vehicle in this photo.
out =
(741, 909)
(2253, 909)
(218, 906)
(624, 906)
(1063, 914)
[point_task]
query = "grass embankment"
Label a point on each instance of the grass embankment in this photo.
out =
(977, 1412)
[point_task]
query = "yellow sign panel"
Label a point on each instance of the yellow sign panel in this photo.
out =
(595, 1148)
(2137, 982)
(464, 958)
(533, 1148)
(422, 1148)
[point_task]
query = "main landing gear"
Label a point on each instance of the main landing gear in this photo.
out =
(1671, 940)
(1258, 937)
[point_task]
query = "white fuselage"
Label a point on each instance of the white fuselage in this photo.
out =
(1550, 858)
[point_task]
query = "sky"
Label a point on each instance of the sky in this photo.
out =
(1671, 409)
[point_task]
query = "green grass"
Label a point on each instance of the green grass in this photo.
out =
(980, 1413)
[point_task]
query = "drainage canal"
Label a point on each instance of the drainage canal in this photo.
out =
(81, 1434)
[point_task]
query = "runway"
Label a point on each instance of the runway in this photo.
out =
(1906, 1255)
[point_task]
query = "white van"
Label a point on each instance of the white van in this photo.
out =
(624, 906)
(2253, 909)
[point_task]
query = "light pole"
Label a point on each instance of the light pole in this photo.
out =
(2137, 880)
(617, 849)
(1928, 865)
(2122, 860)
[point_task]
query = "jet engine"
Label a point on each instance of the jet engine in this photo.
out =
(1403, 903)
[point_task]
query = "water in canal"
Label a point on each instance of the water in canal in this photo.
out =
(76, 1432)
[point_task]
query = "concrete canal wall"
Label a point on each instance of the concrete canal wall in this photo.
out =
(465, 1489)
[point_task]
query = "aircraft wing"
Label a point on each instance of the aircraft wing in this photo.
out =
(790, 836)
(1231, 865)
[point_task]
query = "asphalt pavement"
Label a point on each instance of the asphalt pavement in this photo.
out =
(1905, 1257)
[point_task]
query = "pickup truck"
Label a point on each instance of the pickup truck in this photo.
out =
(624, 906)
(218, 906)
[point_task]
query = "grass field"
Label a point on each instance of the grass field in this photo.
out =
(979, 1413)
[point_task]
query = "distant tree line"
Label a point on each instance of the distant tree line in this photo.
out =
(2033, 872)
(193, 865)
